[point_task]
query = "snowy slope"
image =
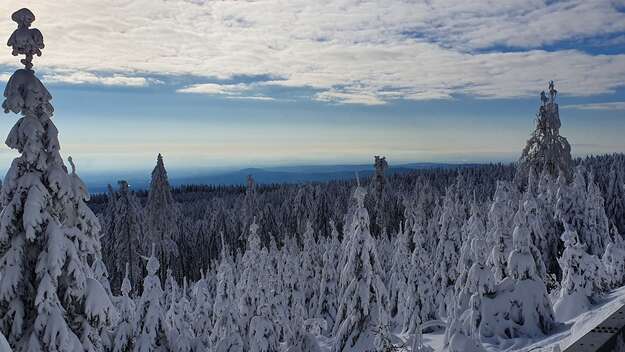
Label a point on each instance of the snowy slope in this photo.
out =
(565, 335)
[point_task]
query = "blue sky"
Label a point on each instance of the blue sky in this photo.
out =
(225, 84)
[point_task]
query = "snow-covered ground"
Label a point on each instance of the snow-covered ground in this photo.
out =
(564, 335)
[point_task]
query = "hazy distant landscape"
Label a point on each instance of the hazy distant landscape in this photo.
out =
(267, 175)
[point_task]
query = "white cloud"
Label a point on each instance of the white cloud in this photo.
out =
(215, 89)
(229, 91)
(612, 106)
(251, 97)
(350, 51)
(353, 97)
(82, 77)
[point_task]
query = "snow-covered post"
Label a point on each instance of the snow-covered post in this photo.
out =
(45, 226)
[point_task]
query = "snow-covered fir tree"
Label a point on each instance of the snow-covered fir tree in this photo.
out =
(614, 258)
(171, 286)
(161, 215)
(615, 196)
(521, 225)
(462, 333)
(378, 193)
(420, 295)
(300, 340)
(202, 318)
(150, 324)
(519, 307)
(262, 334)
(180, 334)
(539, 212)
(129, 236)
(248, 289)
(447, 252)
(123, 334)
(399, 277)
(596, 226)
(546, 148)
(363, 297)
(500, 219)
(226, 333)
(473, 228)
(583, 278)
(49, 238)
(309, 275)
(327, 306)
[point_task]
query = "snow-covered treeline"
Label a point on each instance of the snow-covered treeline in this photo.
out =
(350, 266)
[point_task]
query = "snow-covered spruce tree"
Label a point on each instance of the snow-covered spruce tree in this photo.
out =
(150, 321)
(129, 230)
(102, 275)
(107, 222)
(447, 251)
(203, 314)
(293, 297)
(473, 228)
(262, 335)
(171, 286)
(378, 192)
(179, 323)
(596, 227)
(500, 220)
(248, 286)
(250, 207)
(615, 197)
(328, 291)
(520, 222)
(399, 276)
(571, 199)
(363, 299)
(614, 259)
(519, 307)
(546, 149)
(226, 334)
(539, 212)
(420, 295)
(462, 333)
(309, 275)
(583, 278)
(123, 334)
(49, 299)
(300, 340)
(161, 215)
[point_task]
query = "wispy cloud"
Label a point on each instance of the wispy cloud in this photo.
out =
(352, 51)
(215, 89)
(612, 106)
(230, 91)
(83, 77)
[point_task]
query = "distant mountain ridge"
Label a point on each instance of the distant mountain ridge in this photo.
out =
(268, 175)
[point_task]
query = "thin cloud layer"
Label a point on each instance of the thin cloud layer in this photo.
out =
(613, 106)
(347, 51)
